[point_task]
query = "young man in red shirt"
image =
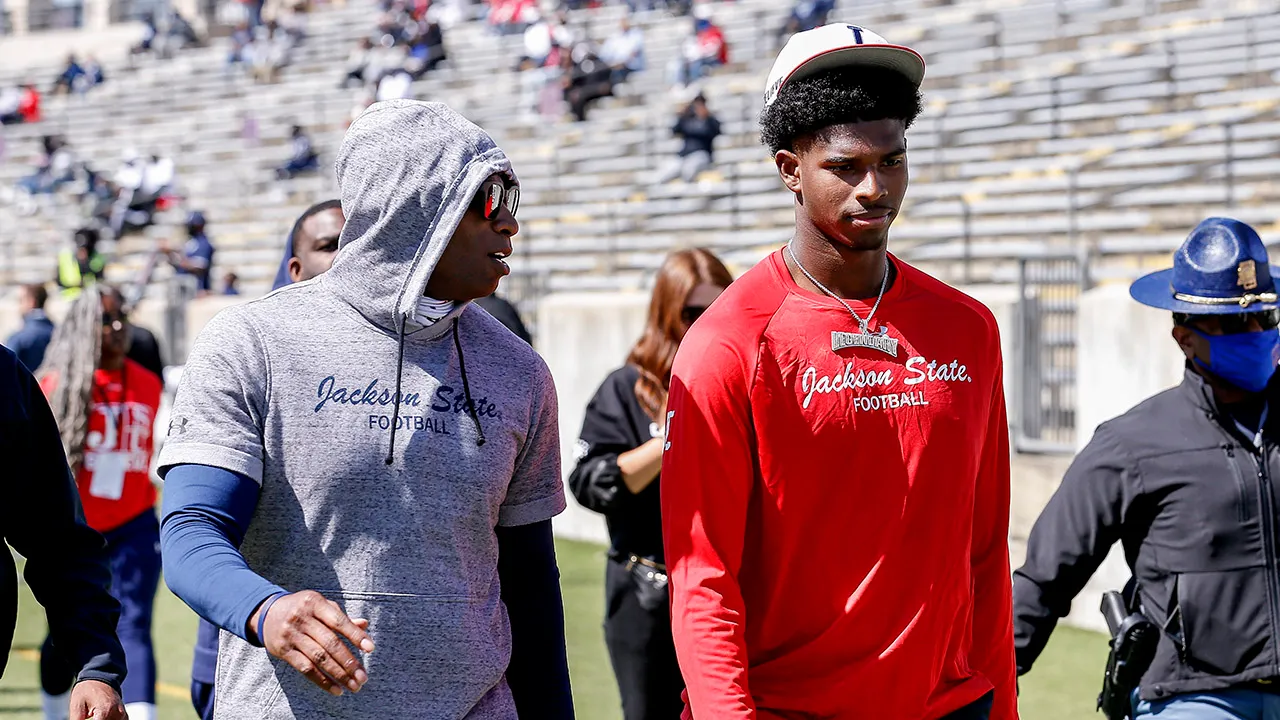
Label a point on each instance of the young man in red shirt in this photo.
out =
(835, 489)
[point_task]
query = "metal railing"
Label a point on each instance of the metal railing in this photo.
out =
(1043, 408)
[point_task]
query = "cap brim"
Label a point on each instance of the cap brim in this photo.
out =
(1155, 291)
(902, 59)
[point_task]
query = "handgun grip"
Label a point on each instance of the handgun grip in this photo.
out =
(1114, 611)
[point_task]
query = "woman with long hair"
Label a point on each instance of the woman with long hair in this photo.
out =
(105, 405)
(619, 457)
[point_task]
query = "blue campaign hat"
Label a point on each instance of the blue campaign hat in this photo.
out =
(1221, 268)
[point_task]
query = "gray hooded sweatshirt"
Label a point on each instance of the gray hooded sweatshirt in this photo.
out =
(298, 390)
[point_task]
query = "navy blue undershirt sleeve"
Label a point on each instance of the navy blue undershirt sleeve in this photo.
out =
(205, 515)
(539, 671)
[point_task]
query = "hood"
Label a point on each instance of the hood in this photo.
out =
(407, 171)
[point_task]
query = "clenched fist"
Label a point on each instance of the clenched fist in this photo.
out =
(95, 700)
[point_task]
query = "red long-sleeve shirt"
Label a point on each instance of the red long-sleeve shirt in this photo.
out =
(836, 522)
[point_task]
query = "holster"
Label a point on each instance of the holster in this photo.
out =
(1133, 645)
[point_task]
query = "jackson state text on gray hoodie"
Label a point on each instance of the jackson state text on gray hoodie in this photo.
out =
(298, 390)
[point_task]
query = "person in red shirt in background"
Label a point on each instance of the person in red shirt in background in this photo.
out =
(704, 49)
(105, 405)
(835, 491)
(29, 104)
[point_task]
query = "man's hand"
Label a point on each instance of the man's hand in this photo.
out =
(95, 700)
(307, 631)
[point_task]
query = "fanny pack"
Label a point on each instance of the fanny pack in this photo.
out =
(648, 581)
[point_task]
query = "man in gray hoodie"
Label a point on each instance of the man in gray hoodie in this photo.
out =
(366, 458)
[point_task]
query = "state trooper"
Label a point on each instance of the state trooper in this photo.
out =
(1184, 481)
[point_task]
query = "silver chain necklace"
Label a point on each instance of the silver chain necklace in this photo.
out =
(863, 338)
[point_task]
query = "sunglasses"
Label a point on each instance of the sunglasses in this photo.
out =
(691, 313)
(1236, 323)
(114, 321)
(494, 196)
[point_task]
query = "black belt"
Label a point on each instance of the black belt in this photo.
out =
(630, 559)
(1266, 685)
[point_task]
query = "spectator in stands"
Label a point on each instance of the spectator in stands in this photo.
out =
(358, 64)
(10, 99)
(699, 129)
(149, 34)
(426, 49)
(71, 74)
(105, 406)
(617, 474)
(230, 284)
(391, 28)
(623, 52)
(141, 184)
(304, 158)
(512, 17)
(703, 50)
(82, 265)
(292, 22)
(584, 80)
(396, 82)
(677, 8)
(543, 37)
(196, 258)
(805, 15)
(164, 33)
(56, 168)
(94, 74)
(66, 567)
(20, 105)
(30, 342)
(29, 107)
(270, 51)
(241, 40)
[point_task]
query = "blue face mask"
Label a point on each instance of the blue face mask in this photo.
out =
(1246, 360)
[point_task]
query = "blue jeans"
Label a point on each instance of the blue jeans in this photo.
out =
(1217, 705)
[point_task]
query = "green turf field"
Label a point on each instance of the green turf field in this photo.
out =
(1062, 687)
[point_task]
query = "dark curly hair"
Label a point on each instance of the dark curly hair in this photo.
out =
(834, 97)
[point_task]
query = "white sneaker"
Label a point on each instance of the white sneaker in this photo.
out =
(140, 711)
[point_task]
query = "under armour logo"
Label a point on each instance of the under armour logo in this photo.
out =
(178, 426)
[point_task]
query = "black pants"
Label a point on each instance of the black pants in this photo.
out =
(977, 710)
(642, 652)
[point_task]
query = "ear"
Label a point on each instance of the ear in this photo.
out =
(295, 269)
(1186, 340)
(789, 169)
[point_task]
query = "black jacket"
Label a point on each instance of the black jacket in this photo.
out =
(699, 135)
(614, 424)
(1194, 504)
(42, 519)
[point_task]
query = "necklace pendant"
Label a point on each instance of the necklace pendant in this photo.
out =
(882, 342)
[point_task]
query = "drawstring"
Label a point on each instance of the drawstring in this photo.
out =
(395, 417)
(466, 388)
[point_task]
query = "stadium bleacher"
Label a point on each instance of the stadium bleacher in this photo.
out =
(1117, 108)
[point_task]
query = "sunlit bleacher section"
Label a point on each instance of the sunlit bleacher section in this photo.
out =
(1094, 128)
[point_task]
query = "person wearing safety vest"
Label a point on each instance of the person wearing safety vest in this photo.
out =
(81, 265)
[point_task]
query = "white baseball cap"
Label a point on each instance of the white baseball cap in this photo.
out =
(839, 45)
